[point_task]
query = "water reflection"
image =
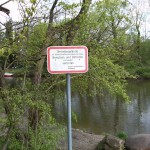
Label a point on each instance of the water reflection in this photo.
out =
(106, 114)
(111, 115)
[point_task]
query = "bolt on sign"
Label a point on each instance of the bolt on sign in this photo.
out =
(67, 59)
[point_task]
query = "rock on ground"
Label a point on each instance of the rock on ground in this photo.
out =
(111, 142)
(138, 142)
(82, 141)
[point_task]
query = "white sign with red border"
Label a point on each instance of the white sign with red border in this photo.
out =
(67, 59)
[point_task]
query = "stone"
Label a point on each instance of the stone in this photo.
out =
(138, 142)
(111, 142)
(81, 141)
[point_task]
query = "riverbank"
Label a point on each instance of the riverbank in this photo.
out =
(82, 141)
(19, 72)
(86, 141)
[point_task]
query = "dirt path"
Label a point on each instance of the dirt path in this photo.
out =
(82, 141)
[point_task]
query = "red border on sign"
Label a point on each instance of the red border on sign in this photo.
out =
(65, 48)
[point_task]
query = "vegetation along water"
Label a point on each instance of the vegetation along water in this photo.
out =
(118, 51)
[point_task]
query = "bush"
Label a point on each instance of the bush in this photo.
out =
(122, 135)
(143, 72)
(17, 132)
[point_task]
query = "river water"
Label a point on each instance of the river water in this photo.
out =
(107, 114)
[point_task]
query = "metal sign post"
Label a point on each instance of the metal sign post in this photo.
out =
(69, 111)
(67, 60)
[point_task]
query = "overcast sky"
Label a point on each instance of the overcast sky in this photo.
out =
(143, 6)
(14, 13)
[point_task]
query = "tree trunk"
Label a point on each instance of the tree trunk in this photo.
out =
(2, 81)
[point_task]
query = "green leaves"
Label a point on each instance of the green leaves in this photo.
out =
(102, 32)
(17, 104)
(33, 2)
(2, 50)
(30, 11)
(36, 40)
(68, 6)
(70, 10)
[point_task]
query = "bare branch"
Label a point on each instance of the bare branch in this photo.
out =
(5, 2)
(51, 15)
(5, 10)
(2, 24)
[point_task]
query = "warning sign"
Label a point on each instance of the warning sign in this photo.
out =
(67, 59)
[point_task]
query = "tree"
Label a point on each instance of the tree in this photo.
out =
(23, 43)
(102, 28)
(70, 28)
(107, 46)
